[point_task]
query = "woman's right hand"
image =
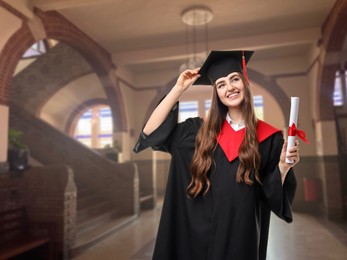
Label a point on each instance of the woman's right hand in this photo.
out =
(187, 78)
(184, 81)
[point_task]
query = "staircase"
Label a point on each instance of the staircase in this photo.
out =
(104, 204)
(96, 220)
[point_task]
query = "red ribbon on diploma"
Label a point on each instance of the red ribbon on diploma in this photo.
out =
(293, 131)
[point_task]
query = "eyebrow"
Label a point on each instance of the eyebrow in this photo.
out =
(223, 80)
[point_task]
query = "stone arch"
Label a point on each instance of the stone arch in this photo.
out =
(334, 32)
(59, 28)
(10, 55)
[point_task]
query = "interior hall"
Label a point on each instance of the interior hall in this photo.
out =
(80, 78)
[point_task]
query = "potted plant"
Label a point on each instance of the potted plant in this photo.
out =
(112, 151)
(18, 152)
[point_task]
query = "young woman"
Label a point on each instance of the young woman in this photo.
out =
(227, 172)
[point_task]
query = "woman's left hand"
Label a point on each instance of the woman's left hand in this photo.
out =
(293, 154)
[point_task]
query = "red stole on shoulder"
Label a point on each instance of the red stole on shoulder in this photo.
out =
(230, 140)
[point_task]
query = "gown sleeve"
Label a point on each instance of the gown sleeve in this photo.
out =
(278, 197)
(170, 134)
(159, 139)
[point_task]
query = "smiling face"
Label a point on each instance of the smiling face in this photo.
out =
(231, 90)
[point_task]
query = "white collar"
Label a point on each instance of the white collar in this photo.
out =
(234, 125)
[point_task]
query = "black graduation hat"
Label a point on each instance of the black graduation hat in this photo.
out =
(221, 63)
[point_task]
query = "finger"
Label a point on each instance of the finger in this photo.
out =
(188, 75)
(295, 149)
(284, 147)
(195, 71)
(191, 74)
(294, 159)
(293, 156)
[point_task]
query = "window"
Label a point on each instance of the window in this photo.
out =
(105, 127)
(84, 128)
(207, 106)
(94, 128)
(258, 107)
(338, 93)
(39, 48)
(188, 109)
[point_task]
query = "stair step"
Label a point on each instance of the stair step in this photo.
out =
(82, 192)
(93, 236)
(92, 210)
(87, 201)
(95, 221)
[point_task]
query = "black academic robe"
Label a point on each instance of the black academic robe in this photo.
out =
(232, 220)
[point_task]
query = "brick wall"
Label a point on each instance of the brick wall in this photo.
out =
(37, 83)
(12, 192)
(51, 198)
(49, 195)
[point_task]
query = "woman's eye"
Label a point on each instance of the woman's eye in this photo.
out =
(220, 85)
(235, 79)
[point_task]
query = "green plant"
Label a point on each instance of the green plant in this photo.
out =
(112, 151)
(115, 148)
(18, 152)
(15, 140)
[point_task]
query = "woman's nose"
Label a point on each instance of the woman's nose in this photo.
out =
(229, 85)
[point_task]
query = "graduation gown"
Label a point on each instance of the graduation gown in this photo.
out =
(232, 220)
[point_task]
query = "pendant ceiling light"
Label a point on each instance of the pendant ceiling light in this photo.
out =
(196, 19)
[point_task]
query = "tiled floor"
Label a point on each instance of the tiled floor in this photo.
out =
(306, 238)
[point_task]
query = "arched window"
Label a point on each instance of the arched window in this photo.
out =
(94, 127)
(259, 106)
(340, 88)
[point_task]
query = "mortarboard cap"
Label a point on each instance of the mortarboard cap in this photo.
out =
(220, 64)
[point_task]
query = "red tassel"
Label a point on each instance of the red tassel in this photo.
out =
(244, 68)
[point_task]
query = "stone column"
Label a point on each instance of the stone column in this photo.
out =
(329, 169)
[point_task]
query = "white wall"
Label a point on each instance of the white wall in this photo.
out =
(60, 106)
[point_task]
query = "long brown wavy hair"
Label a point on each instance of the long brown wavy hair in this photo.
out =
(206, 143)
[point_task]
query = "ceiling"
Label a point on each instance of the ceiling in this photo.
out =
(149, 34)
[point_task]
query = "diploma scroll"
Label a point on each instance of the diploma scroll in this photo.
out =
(293, 122)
